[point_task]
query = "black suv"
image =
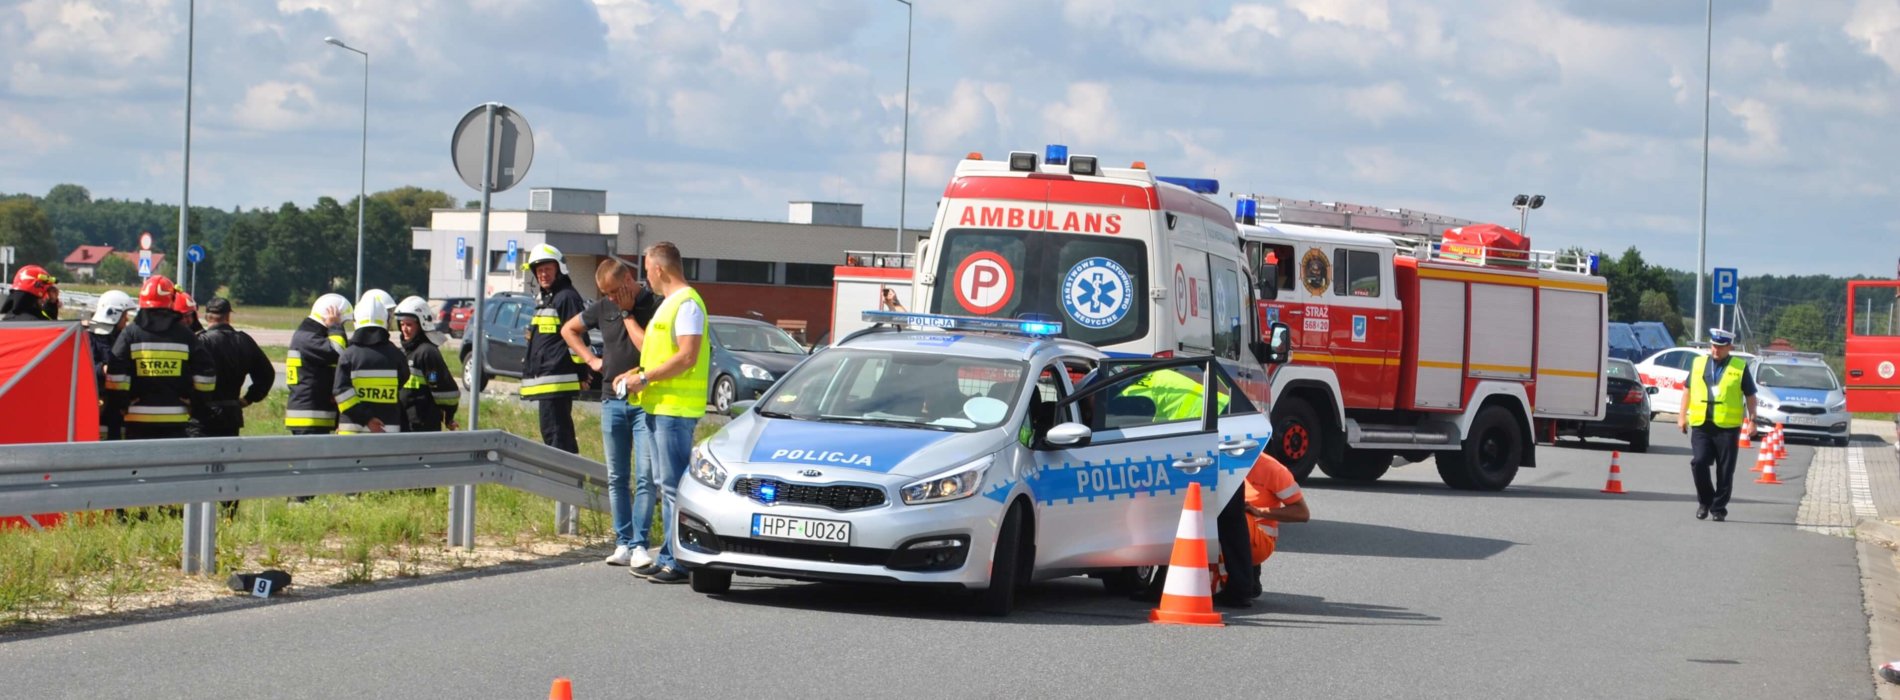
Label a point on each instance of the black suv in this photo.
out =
(505, 342)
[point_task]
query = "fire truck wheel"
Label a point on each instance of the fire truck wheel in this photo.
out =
(1360, 465)
(1297, 440)
(1492, 450)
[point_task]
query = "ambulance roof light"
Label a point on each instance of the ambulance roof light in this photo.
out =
(1138, 165)
(1084, 165)
(1056, 154)
(1022, 161)
(974, 155)
(1195, 184)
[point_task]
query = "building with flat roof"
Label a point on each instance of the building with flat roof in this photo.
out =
(779, 272)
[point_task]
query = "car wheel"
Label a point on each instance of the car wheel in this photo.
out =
(1360, 465)
(725, 391)
(1639, 441)
(710, 581)
(1126, 581)
(1296, 437)
(1005, 567)
(475, 380)
(1489, 458)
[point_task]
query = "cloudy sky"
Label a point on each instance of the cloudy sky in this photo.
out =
(732, 107)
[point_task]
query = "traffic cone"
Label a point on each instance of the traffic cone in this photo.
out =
(1766, 460)
(563, 690)
(1781, 442)
(1742, 442)
(1187, 597)
(1615, 484)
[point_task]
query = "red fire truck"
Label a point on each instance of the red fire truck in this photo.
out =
(1873, 346)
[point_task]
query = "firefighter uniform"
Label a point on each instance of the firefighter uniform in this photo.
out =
(368, 384)
(107, 319)
(429, 395)
(551, 375)
(157, 370)
(310, 373)
(236, 356)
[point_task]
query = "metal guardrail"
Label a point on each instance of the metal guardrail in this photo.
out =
(60, 477)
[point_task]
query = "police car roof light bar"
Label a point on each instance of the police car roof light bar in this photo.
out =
(965, 323)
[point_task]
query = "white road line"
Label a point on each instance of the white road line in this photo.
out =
(1862, 493)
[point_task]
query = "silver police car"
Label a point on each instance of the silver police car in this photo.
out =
(964, 453)
(1799, 391)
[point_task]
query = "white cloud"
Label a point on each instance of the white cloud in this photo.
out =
(1875, 24)
(1361, 14)
(1378, 103)
(1763, 129)
(1088, 114)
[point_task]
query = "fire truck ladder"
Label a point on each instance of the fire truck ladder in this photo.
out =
(1417, 234)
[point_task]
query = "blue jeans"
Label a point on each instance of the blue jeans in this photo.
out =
(622, 426)
(672, 441)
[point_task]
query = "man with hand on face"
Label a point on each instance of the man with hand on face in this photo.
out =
(675, 364)
(552, 375)
(622, 421)
(310, 367)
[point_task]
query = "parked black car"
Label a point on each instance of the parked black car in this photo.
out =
(747, 358)
(1626, 413)
(505, 342)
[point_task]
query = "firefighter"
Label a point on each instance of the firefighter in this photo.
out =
(187, 309)
(371, 371)
(34, 297)
(109, 318)
(553, 375)
(235, 356)
(158, 369)
(310, 367)
(429, 396)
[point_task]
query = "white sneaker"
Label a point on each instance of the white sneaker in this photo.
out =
(638, 557)
(622, 555)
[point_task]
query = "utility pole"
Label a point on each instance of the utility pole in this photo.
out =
(1702, 238)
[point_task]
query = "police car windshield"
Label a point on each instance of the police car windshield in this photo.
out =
(1090, 283)
(898, 389)
(1792, 376)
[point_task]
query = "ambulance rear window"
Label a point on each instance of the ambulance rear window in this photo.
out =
(1092, 284)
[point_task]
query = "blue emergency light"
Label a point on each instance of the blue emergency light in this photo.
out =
(1203, 185)
(1056, 154)
(1246, 211)
(1033, 327)
(768, 491)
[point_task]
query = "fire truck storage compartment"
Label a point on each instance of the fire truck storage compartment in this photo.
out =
(1570, 351)
(1543, 331)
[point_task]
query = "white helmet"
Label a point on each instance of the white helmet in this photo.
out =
(111, 307)
(543, 253)
(376, 308)
(419, 308)
(331, 302)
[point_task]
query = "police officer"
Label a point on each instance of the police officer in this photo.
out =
(310, 367)
(371, 371)
(429, 396)
(34, 297)
(1720, 402)
(552, 375)
(109, 317)
(158, 368)
(235, 356)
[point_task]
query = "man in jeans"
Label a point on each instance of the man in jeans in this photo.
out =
(622, 423)
(675, 364)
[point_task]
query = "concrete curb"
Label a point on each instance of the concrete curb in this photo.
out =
(1876, 544)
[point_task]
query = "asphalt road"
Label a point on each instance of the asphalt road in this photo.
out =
(1400, 589)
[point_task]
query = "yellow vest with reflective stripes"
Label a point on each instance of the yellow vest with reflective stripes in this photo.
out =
(1728, 393)
(683, 396)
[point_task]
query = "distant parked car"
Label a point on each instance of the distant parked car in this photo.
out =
(1798, 391)
(747, 358)
(454, 314)
(505, 342)
(1668, 373)
(1626, 412)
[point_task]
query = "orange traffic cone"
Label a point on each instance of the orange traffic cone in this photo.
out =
(1766, 460)
(1187, 598)
(1742, 442)
(1781, 442)
(563, 690)
(1615, 484)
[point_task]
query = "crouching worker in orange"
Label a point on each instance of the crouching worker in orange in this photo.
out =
(1272, 498)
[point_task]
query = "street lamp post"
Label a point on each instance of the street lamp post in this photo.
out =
(1702, 236)
(184, 206)
(1524, 204)
(903, 175)
(362, 182)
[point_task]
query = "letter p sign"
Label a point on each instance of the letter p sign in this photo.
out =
(1725, 286)
(984, 283)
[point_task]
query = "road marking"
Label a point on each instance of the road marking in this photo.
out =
(1863, 494)
(1828, 505)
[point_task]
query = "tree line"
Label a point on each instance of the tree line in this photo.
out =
(282, 257)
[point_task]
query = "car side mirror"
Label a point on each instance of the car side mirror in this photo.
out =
(739, 408)
(1269, 278)
(1652, 391)
(1278, 346)
(1069, 435)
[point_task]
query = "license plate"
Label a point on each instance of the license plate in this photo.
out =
(780, 527)
(1801, 420)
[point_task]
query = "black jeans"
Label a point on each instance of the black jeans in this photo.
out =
(1236, 546)
(1713, 447)
(557, 424)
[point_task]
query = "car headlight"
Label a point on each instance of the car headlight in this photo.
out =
(706, 470)
(1837, 407)
(959, 483)
(755, 372)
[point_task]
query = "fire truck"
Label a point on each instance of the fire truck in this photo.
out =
(1873, 346)
(1419, 335)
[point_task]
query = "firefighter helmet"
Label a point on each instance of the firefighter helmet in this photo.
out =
(34, 280)
(111, 307)
(376, 308)
(545, 253)
(419, 308)
(157, 293)
(184, 304)
(328, 303)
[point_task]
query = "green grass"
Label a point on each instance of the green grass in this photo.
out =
(1874, 416)
(281, 318)
(276, 353)
(97, 562)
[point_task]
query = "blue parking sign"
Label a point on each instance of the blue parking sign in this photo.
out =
(461, 248)
(1725, 283)
(511, 251)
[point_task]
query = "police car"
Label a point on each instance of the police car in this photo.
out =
(1800, 392)
(972, 453)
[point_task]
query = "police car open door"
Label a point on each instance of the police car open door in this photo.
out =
(1155, 427)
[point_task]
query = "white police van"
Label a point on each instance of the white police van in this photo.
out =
(963, 452)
